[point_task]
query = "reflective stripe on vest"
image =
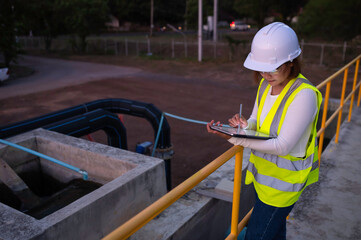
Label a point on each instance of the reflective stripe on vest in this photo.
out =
(279, 180)
(285, 163)
(275, 182)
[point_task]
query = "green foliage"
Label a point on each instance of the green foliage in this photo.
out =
(84, 17)
(42, 19)
(138, 11)
(227, 12)
(331, 19)
(192, 12)
(8, 45)
(166, 11)
(287, 9)
(258, 10)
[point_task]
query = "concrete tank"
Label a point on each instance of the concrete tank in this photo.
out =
(122, 183)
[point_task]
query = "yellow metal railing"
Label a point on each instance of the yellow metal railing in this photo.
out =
(139, 220)
(142, 218)
(325, 123)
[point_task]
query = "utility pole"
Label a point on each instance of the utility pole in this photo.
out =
(215, 19)
(151, 17)
(200, 27)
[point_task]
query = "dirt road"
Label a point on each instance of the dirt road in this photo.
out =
(54, 73)
(201, 91)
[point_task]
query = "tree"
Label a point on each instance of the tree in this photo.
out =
(258, 10)
(192, 12)
(136, 11)
(227, 11)
(8, 45)
(331, 19)
(42, 19)
(48, 22)
(83, 18)
(166, 11)
(287, 9)
(173, 12)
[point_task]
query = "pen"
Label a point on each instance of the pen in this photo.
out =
(240, 115)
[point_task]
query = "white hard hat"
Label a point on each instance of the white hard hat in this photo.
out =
(272, 46)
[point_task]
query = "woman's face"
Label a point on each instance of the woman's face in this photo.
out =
(280, 77)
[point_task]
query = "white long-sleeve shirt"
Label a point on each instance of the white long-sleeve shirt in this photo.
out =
(296, 128)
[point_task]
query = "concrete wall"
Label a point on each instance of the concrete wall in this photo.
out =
(132, 182)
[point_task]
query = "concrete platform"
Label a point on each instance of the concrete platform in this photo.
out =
(330, 209)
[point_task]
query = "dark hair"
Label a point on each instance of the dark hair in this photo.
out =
(295, 70)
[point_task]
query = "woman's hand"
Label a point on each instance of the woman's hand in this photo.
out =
(237, 120)
(216, 132)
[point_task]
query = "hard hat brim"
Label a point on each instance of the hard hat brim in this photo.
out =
(260, 66)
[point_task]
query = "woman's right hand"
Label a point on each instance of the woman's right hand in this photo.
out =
(237, 120)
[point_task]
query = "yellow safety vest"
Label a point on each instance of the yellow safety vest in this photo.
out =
(280, 180)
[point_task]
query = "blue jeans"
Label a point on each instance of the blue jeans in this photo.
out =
(267, 222)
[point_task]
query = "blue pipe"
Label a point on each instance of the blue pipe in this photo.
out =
(78, 170)
(189, 120)
(93, 121)
(114, 105)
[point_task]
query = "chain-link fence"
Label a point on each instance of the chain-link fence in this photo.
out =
(316, 53)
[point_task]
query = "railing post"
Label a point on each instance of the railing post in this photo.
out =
(236, 193)
(245, 220)
(323, 123)
(359, 93)
(341, 104)
(359, 96)
(353, 89)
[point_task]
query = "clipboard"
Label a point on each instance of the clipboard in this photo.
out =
(243, 133)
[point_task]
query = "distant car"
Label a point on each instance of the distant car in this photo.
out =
(240, 26)
(4, 74)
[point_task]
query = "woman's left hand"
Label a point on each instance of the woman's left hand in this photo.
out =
(216, 132)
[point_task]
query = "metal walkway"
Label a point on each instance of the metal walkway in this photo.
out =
(330, 208)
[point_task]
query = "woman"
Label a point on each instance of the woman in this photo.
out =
(286, 107)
